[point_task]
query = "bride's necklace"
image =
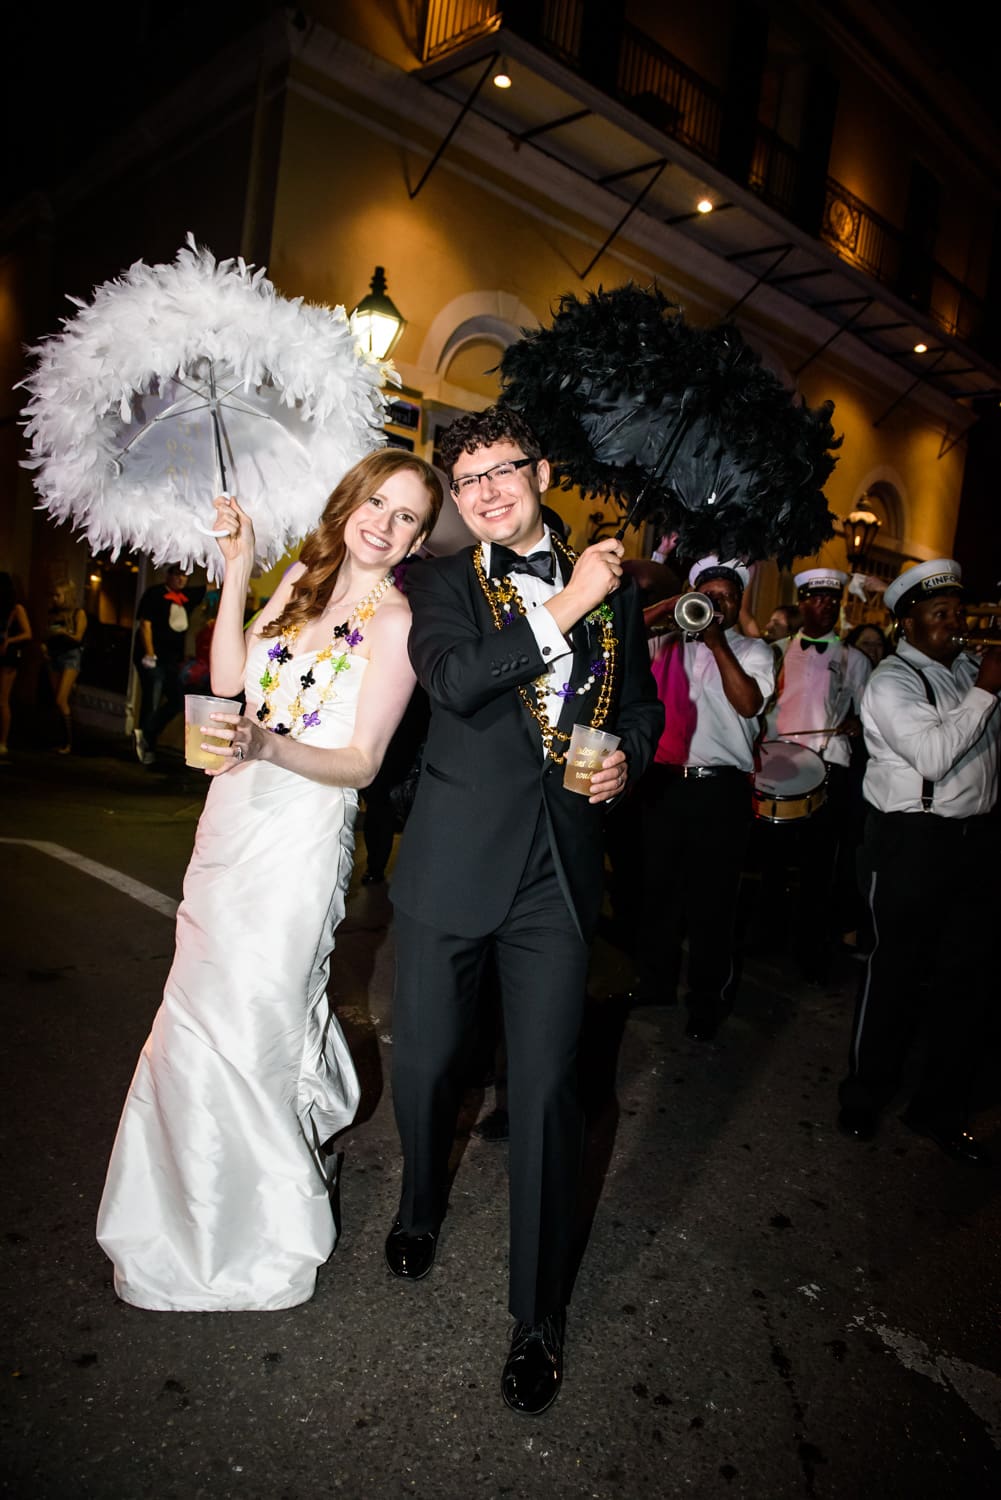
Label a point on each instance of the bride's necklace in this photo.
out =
(304, 710)
(505, 604)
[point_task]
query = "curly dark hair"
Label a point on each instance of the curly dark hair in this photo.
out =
(481, 429)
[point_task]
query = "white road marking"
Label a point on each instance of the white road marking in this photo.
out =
(980, 1389)
(124, 883)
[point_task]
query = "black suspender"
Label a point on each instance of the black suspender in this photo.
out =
(927, 787)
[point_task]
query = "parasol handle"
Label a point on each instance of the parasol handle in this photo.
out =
(666, 458)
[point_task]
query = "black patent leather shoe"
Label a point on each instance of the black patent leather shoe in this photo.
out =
(409, 1256)
(859, 1123)
(533, 1371)
(958, 1144)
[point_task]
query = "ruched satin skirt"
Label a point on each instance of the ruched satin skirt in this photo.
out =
(217, 1197)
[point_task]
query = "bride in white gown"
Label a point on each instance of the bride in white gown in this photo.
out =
(217, 1195)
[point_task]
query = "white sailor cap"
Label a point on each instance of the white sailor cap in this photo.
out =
(820, 581)
(711, 567)
(920, 582)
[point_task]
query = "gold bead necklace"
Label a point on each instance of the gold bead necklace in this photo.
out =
(505, 604)
(310, 699)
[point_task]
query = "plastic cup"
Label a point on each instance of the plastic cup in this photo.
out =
(198, 726)
(588, 750)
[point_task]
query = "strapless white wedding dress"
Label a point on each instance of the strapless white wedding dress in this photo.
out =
(217, 1197)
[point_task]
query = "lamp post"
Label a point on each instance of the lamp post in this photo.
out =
(377, 322)
(860, 531)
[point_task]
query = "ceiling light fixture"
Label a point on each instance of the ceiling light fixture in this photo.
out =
(920, 348)
(502, 78)
(705, 206)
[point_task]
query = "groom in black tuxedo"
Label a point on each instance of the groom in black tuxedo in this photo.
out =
(514, 641)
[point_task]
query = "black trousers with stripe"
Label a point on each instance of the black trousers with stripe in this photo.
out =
(932, 888)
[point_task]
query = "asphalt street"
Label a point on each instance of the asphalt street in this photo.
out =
(763, 1309)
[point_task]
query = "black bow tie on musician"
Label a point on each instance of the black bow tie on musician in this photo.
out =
(819, 646)
(503, 562)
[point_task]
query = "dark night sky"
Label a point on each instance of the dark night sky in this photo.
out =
(71, 83)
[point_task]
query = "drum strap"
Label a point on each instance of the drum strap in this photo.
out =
(927, 787)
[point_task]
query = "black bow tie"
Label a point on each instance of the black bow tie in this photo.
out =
(819, 646)
(503, 561)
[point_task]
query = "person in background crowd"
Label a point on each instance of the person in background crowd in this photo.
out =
(15, 633)
(817, 702)
(783, 623)
(870, 640)
(515, 640)
(65, 629)
(695, 796)
(932, 727)
(163, 625)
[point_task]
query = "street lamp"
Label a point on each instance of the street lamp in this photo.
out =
(377, 322)
(860, 531)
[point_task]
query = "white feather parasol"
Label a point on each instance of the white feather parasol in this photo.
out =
(179, 381)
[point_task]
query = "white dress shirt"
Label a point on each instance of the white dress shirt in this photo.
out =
(816, 691)
(557, 652)
(722, 736)
(953, 744)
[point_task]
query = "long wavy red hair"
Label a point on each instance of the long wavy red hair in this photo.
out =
(323, 550)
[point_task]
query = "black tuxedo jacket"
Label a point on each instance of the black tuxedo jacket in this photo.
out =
(485, 779)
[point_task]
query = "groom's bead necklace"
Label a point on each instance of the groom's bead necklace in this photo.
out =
(505, 602)
(304, 710)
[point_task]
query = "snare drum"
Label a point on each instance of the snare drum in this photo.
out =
(789, 782)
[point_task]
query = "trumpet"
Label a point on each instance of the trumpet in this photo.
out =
(691, 614)
(971, 642)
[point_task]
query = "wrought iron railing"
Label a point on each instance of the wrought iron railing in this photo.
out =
(774, 172)
(447, 24)
(663, 90)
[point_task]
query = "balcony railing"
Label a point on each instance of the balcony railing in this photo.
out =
(447, 24)
(666, 93)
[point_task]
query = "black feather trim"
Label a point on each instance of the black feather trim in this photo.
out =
(677, 424)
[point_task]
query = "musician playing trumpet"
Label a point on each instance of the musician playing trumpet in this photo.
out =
(696, 796)
(932, 726)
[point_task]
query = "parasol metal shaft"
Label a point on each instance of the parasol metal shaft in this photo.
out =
(665, 460)
(217, 434)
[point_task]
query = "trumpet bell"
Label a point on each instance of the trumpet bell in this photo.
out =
(693, 612)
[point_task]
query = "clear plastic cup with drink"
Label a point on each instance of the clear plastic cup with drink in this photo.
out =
(199, 728)
(589, 749)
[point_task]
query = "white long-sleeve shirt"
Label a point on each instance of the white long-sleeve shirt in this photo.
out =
(953, 744)
(816, 691)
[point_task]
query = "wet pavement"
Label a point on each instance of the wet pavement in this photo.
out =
(763, 1308)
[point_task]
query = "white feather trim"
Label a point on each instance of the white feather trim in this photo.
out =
(117, 361)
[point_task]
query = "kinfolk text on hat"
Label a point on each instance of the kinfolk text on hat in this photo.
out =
(939, 575)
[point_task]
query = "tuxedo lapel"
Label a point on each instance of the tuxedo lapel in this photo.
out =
(483, 616)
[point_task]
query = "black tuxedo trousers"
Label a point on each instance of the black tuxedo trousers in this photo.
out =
(541, 963)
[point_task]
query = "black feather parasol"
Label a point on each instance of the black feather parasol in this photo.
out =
(680, 425)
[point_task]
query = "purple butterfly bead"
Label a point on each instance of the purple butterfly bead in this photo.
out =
(598, 667)
(354, 639)
(310, 721)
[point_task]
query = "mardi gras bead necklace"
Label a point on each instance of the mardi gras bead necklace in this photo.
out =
(505, 605)
(304, 710)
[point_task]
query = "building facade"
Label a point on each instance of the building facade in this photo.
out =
(808, 170)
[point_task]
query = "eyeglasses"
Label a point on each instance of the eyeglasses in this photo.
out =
(497, 474)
